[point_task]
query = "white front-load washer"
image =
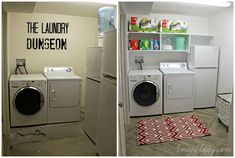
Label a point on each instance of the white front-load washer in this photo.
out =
(28, 100)
(145, 92)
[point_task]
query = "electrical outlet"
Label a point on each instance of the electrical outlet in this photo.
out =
(21, 62)
(139, 59)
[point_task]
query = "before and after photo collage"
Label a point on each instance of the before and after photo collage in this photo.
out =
(117, 78)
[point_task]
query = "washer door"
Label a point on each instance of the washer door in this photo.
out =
(146, 93)
(28, 100)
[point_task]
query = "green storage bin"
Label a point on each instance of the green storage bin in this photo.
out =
(180, 43)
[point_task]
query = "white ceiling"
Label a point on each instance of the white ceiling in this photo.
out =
(185, 9)
(26, 7)
(67, 8)
(139, 8)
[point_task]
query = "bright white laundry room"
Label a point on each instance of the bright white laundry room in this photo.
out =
(176, 78)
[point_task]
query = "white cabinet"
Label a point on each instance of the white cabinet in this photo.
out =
(108, 66)
(92, 107)
(106, 126)
(94, 56)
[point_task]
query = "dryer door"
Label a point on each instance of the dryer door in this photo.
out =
(64, 94)
(177, 87)
(28, 100)
(146, 93)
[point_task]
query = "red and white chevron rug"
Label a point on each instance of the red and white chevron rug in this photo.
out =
(169, 129)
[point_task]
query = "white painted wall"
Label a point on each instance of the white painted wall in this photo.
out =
(82, 33)
(221, 24)
(196, 25)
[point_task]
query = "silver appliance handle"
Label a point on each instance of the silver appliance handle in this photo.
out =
(53, 95)
(169, 88)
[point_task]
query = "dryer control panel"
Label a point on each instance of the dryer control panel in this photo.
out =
(54, 70)
(173, 65)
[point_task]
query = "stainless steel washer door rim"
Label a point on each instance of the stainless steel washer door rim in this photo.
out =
(145, 95)
(28, 100)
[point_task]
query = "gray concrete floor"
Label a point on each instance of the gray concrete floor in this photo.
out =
(214, 145)
(67, 139)
(73, 146)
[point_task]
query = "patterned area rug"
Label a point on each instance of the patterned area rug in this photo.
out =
(169, 129)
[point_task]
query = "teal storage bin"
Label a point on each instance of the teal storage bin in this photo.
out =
(179, 43)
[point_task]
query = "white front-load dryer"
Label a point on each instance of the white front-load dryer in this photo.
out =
(145, 92)
(28, 100)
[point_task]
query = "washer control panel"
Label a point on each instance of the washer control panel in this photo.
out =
(147, 76)
(144, 77)
(16, 84)
(34, 83)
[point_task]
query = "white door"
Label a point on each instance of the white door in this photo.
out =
(205, 87)
(59, 90)
(91, 107)
(122, 109)
(94, 57)
(206, 56)
(179, 87)
(106, 125)
(109, 53)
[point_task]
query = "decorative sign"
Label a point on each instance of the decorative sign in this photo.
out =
(47, 28)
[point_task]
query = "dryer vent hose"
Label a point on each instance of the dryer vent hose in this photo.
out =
(18, 68)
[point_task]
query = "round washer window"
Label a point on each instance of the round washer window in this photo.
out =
(146, 93)
(28, 100)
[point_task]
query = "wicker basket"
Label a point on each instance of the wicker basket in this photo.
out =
(223, 103)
